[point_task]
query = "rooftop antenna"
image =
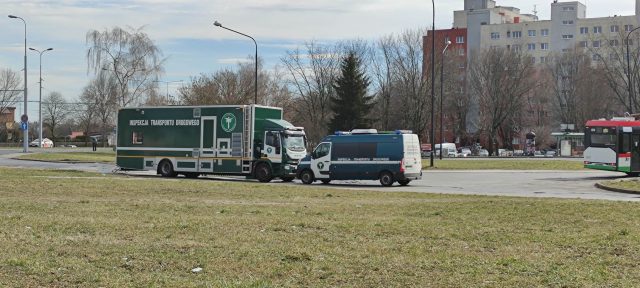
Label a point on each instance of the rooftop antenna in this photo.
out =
(535, 10)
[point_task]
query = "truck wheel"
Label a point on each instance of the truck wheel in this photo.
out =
(165, 169)
(325, 181)
(307, 177)
(386, 179)
(263, 173)
(404, 182)
(287, 179)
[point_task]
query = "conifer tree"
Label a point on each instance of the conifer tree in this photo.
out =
(351, 105)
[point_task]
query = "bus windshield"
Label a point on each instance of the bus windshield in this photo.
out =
(603, 136)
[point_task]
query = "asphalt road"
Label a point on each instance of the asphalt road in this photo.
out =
(558, 184)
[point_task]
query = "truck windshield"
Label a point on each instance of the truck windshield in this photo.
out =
(294, 142)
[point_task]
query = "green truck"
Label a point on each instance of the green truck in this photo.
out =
(245, 140)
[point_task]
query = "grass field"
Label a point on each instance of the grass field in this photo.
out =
(503, 164)
(77, 229)
(630, 185)
(99, 157)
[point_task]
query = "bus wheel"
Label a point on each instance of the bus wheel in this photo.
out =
(191, 175)
(404, 182)
(287, 179)
(263, 173)
(307, 177)
(325, 181)
(165, 169)
(386, 179)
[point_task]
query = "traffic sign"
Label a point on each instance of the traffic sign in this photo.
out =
(24, 126)
(24, 118)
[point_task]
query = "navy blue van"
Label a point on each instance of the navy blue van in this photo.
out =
(364, 155)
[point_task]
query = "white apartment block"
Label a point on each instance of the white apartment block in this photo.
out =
(490, 26)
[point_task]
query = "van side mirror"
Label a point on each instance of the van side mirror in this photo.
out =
(314, 155)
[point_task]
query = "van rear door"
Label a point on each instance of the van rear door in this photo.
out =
(411, 154)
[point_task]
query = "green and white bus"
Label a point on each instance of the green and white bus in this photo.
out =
(249, 140)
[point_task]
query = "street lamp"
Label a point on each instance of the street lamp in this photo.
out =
(40, 101)
(629, 76)
(25, 140)
(167, 82)
(444, 53)
(255, 99)
(433, 80)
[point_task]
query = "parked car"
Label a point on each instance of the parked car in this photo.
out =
(46, 143)
(538, 154)
(550, 153)
(483, 153)
(464, 152)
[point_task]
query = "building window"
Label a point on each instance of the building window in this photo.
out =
(544, 32)
(584, 30)
(516, 48)
(461, 52)
(459, 39)
(628, 41)
(533, 60)
(567, 22)
(583, 44)
(596, 44)
(628, 28)
(137, 138)
(543, 59)
(614, 43)
(570, 8)
(517, 34)
(531, 46)
(495, 35)
(597, 29)
(544, 46)
(568, 36)
(614, 28)
(532, 33)
(595, 57)
(446, 39)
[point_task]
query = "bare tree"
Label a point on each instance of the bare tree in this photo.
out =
(86, 111)
(380, 57)
(10, 83)
(55, 112)
(501, 79)
(311, 75)
(130, 56)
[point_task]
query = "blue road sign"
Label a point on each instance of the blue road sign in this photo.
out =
(24, 126)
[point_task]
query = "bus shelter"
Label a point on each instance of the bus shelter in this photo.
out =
(569, 143)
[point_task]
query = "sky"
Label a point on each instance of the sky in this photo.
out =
(184, 31)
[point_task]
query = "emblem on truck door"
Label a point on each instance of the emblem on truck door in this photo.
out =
(228, 122)
(320, 165)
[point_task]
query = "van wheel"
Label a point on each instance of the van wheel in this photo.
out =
(307, 177)
(263, 173)
(287, 179)
(386, 179)
(404, 182)
(325, 181)
(165, 169)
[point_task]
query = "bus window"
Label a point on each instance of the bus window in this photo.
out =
(603, 137)
(626, 143)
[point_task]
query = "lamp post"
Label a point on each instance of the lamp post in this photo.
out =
(255, 99)
(40, 101)
(444, 53)
(167, 82)
(25, 139)
(433, 80)
(629, 76)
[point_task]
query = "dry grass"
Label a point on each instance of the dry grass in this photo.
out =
(78, 229)
(85, 157)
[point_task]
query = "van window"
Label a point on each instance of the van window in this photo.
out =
(322, 150)
(137, 138)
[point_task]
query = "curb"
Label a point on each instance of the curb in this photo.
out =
(618, 190)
